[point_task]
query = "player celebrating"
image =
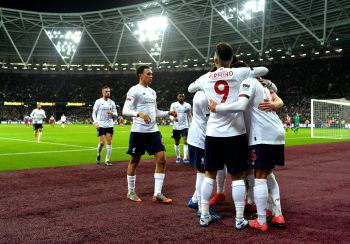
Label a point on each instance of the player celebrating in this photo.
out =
(226, 141)
(38, 116)
(266, 137)
(180, 127)
(63, 120)
(103, 112)
(141, 104)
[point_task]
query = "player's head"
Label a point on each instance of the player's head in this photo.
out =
(181, 97)
(144, 74)
(38, 105)
(223, 55)
(106, 92)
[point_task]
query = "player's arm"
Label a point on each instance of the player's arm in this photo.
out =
(32, 114)
(44, 115)
(258, 72)
(114, 111)
(238, 106)
(172, 118)
(160, 113)
(268, 84)
(94, 115)
(129, 105)
(194, 87)
(189, 115)
(246, 91)
(273, 105)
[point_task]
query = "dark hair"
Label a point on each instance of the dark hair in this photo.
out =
(141, 68)
(224, 51)
(105, 87)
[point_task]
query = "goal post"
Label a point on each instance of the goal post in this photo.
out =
(330, 118)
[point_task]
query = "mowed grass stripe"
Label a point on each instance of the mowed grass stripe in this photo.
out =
(76, 144)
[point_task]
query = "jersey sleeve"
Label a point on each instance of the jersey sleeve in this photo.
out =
(195, 86)
(114, 110)
(247, 88)
(129, 105)
(94, 112)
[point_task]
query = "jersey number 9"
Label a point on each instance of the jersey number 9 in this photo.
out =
(223, 91)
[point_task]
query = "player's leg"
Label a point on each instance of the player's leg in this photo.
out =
(131, 178)
(220, 187)
(213, 163)
(101, 141)
(260, 197)
(108, 137)
(277, 217)
(196, 158)
(176, 136)
(237, 166)
(136, 150)
(184, 134)
(40, 132)
(155, 146)
(35, 128)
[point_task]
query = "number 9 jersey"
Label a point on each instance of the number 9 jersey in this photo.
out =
(222, 86)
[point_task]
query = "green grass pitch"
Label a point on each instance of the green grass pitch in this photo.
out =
(76, 144)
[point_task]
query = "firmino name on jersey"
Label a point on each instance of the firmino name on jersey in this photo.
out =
(221, 74)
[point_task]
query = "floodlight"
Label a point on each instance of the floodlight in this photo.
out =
(65, 41)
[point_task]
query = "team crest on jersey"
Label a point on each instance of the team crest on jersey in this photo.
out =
(133, 150)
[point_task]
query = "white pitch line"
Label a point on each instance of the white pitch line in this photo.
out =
(61, 151)
(45, 142)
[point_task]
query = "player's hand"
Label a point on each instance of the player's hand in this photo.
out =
(173, 113)
(267, 106)
(212, 105)
(109, 112)
(97, 125)
(145, 117)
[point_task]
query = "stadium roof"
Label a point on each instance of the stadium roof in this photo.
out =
(185, 35)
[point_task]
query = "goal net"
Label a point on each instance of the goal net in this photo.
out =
(330, 118)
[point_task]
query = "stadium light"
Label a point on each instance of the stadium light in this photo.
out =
(65, 41)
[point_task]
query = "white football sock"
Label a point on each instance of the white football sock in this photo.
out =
(260, 197)
(199, 181)
(131, 183)
(250, 192)
(238, 195)
(185, 151)
(177, 150)
(220, 180)
(194, 197)
(108, 152)
(99, 149)
(40, 134)
(206, 191)
(158, 183)
(274, 191)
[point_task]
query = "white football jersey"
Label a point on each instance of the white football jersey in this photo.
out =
(63, 118)
(263, 127)
(183, 114)
(100, 115)
(222, 86)
(38, 115)
(196, 133)
(142, 99)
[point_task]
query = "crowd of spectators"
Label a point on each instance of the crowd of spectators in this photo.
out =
(297, 80)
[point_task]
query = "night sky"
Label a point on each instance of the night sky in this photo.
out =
(66, 6)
